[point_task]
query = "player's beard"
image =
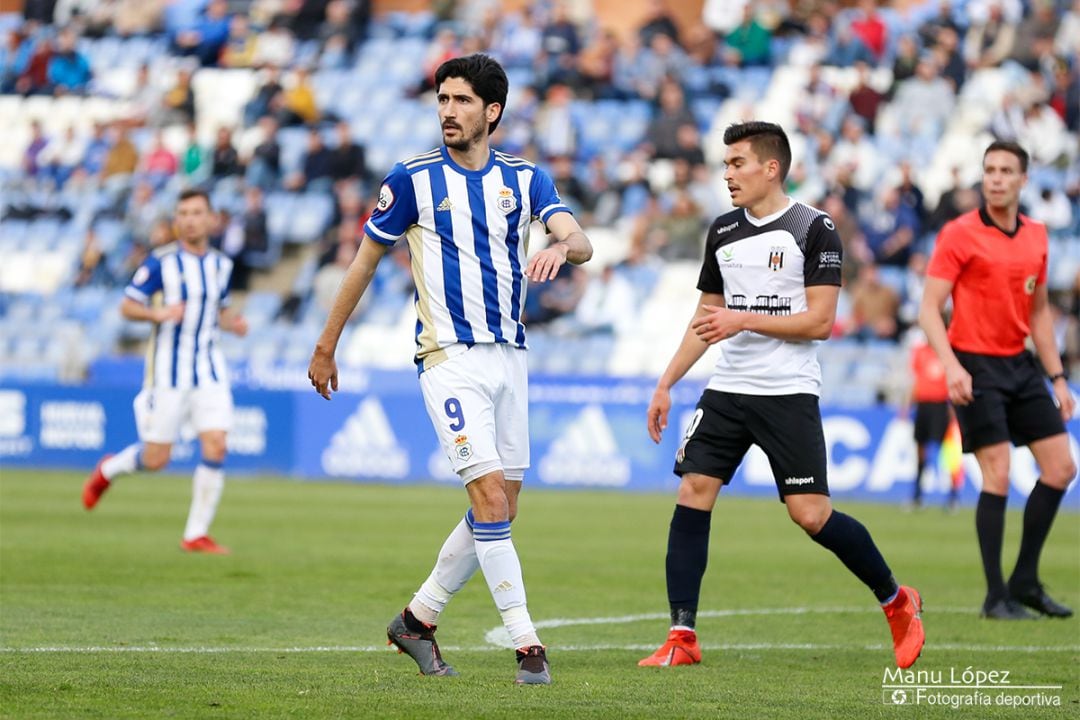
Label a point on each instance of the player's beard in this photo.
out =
(467, 141)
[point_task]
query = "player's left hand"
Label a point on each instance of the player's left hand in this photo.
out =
(545, 264)
(718, 324)
(1066, 402)
(239, 326)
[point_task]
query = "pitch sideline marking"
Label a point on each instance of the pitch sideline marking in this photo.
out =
(156, 649)
(495, 642)
(497, 635)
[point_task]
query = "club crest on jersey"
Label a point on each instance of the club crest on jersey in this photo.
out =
(462, 448)
(1029, 285)
(386, 198)
(506, 202)
(776, 258)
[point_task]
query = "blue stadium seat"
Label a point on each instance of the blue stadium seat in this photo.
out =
(279, 208)
(310, 217)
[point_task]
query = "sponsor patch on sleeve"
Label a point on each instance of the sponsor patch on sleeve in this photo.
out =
(141, 276)
(386, 198)
(829, 259)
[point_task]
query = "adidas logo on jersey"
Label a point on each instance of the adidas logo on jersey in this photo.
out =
(585, 453)
(366, 446)
(445, 205)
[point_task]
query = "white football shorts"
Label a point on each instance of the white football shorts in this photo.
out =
(165, 415)
(478, 402)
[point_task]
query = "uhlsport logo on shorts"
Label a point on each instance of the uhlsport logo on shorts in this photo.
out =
(585, 453)
(366, 446)
(966, 687)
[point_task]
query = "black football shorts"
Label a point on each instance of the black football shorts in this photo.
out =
(786, 427)
(1012, 402)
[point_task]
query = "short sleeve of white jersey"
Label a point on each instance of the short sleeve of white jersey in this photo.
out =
(824, 253)
(543, 196)
(145, 282)
(395, 212)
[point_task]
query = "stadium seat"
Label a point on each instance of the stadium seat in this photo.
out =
(310, 217)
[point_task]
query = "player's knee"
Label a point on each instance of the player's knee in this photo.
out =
(810, 518)
(489, 501)
(1060, 475)
(213, 449)
(697, 491)
(154, 459)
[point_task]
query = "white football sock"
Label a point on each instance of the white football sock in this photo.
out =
(207, 484)
(502, 569)
(124, 462)
(456, 564)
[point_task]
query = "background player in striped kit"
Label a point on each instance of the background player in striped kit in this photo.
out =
(183, 288)
(465, 211)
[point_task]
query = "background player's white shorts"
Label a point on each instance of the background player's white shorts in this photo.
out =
(478, 402)
(162, 413)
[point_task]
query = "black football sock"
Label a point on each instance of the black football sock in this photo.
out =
(687, 556)
(850, 541)
(917, 497)
(1042, 506)
(990, 528)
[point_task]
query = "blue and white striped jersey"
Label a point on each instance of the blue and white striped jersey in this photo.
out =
(468, 235)
(183, 355)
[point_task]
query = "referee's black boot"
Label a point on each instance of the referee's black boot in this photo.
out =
(1035, 597)
(1004, 609)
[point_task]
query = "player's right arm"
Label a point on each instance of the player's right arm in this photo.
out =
(689, 352)
(145, 283)
(394, 213)
(322, 371)
(135, 310)
(945, 266)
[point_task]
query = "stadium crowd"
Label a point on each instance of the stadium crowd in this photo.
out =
(629, 126)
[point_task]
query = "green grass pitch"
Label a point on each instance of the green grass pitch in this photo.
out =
(102, 616)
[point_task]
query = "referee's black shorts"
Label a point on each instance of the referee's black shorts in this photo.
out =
(931, 422)
(1012, 402)
(786, 427)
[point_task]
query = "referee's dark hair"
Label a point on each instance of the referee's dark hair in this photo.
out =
(484, 74)
(1009, 147)
(193, 193)
(767, 139)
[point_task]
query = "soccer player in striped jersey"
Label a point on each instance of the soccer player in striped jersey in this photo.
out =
(183, 289)
(465, 212)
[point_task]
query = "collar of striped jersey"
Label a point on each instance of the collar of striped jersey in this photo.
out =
(466, 171)
(984, 215)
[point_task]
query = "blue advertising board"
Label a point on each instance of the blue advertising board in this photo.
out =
(585, 433)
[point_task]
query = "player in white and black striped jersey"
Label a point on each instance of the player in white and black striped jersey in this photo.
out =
(769, 288)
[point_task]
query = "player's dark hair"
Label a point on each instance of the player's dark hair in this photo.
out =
(1009, 147)
(767, 139)
(484, 74)
(189, 193)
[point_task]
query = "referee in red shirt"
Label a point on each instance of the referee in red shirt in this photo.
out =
(993, 263)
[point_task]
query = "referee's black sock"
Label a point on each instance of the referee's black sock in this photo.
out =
(850, 541)
(687, 556)
(1042, 506)
(990, 528)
